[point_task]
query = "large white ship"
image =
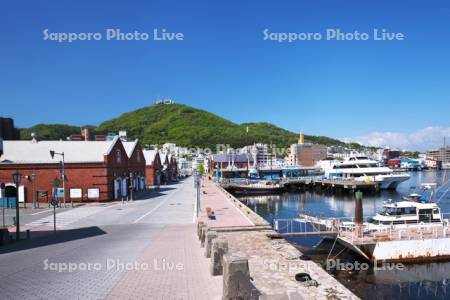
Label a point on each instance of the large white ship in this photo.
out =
(364, 169)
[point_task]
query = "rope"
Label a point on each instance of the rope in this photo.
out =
(339, 253)
(332, 248)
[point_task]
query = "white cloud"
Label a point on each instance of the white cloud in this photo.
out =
(422, 139)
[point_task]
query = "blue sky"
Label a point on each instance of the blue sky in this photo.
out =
(342, 89)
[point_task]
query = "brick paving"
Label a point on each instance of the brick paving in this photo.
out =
(175, 244)
(227, 214)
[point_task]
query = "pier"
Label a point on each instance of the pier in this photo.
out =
(330, 184)
(409, 244)
(254, 265)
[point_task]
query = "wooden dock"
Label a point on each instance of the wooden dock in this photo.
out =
(330, 184)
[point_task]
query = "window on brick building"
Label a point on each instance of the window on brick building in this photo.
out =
(118, 156)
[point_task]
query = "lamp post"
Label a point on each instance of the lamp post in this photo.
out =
(52, 154)
(17, 178)
(197, 186)
(33, 178)
(132, 185)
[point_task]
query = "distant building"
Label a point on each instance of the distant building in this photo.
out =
(441, 155)
(166, 101)
(261, 154)
(87, 135)
(169, 170)
(306, 154)
(7, 129)
(229, 161)
(390, 154)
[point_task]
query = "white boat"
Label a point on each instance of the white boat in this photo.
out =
(412, 211)
(364, 169)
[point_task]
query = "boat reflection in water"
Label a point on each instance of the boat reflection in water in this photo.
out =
(414, 281)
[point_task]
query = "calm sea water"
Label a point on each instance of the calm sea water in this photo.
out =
(416, 281)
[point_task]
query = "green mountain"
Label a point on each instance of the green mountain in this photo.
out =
(191, 127)
(185, 126)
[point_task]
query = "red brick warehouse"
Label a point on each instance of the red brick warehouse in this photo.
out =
(94, 170)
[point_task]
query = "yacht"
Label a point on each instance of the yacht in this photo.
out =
(412, 211)
(364, 169)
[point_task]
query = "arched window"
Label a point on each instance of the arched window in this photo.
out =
(118, 156)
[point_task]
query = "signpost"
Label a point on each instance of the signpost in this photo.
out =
(54, 203)
(55, 183)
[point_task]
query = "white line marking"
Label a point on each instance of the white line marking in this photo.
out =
(156, 207)
(41, 212)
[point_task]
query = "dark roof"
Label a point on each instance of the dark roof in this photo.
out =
(237, 158)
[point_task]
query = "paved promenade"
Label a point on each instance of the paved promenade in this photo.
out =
(151, 235)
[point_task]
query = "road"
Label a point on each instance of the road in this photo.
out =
(98, 249)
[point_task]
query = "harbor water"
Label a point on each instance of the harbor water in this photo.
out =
(411, 281)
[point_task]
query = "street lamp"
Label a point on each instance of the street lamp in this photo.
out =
(52, 154)
(17, 178)
(33, 178)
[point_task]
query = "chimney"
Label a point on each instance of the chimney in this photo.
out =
(123, 135)
(86, 134)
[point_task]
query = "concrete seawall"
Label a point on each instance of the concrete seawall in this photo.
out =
(255, 266)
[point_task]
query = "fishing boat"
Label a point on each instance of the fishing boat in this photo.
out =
(252, 187)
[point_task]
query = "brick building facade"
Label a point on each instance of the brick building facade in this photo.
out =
(153, 167)
(94, 170)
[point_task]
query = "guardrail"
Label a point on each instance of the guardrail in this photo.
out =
(345, 227)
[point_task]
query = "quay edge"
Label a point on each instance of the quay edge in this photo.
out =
(272, 263)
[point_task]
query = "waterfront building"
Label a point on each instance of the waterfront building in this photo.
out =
(94, 170)
(306, 154)
(442, 154)
(230, 161)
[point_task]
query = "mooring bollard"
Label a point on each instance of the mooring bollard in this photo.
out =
(210, 236)
(199, 228)
(4, 236)
(218, 250)
(28, 234)
(236, 278)
(203, 236)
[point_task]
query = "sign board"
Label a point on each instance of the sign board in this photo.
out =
(93, 193)
(21, 194)
(42, 193)
(76, 193)
(54, 202)
(60, 192)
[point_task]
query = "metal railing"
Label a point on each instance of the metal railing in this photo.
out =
(345, 227)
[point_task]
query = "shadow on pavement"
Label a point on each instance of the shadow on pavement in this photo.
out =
(45, 238)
